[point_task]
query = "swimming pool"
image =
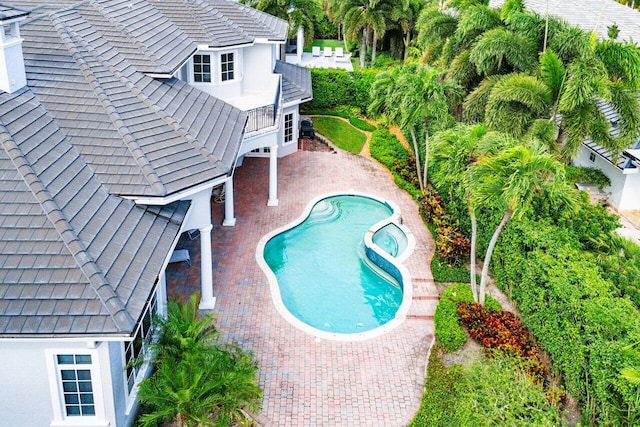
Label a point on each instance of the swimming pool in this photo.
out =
(329, 277)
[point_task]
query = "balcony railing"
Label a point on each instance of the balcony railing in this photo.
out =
(265, 116)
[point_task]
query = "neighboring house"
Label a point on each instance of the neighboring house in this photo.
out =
(598, 16)
(106, 157)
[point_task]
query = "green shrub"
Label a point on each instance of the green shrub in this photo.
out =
(385, 148)
(361, 124)
(445, 273)
(488, 392)
(448, 330)
(586, 175)
(334, 87)
(575, 314)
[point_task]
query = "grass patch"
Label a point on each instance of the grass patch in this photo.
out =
(322, 43)
(342, 134)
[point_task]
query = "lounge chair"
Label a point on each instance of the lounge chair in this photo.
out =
(339, 52)
(315, 50)
(180, 255)
(327, 52)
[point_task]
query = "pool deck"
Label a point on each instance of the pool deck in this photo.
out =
(307, 381)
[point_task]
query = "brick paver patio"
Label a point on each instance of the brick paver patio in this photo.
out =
(308, 381)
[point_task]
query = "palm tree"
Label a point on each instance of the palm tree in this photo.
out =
(511, 179)
(197, 380)
(414, 96)
(404, 16)
(361, 17)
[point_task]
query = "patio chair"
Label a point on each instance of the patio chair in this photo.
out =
(327, 52)
(315, 50)
(181, 255)
(339, 52)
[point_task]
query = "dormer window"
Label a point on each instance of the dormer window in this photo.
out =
(202, 68)
(227, 66)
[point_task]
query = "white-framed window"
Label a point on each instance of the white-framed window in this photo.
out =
(139, 346)
(227, 66)
(288, 128)
(202, 68)
(76, 388)
(592, 157)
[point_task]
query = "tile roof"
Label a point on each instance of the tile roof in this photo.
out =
(222, 23)
(74, 259)
(141, 136)
(296, 82)
(10, 12)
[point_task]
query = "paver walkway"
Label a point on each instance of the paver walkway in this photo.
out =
(307, 381)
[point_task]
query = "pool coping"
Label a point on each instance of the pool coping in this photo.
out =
(407, 286)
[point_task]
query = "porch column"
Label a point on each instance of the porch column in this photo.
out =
(229, 216)
(273, 176)
(207, 301)
(162, 295)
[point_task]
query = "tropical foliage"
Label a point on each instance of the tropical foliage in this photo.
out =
(197, 380)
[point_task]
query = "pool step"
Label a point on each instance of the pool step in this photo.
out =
(423, 307)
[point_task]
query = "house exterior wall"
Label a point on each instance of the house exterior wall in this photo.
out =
(218, 88)
(618, 179)
(258, 63)
(630, 198)
(289, 147)
(30, 387)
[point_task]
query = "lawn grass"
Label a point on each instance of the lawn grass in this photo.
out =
(322, 43)
(341, 133)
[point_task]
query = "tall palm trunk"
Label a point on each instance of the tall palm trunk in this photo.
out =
(487, 257)
(472, 255)
(417, 156)
(407, 40)
(426, 151)
(374, 47)
(363, 48)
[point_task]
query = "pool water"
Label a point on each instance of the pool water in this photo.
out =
(322, 272)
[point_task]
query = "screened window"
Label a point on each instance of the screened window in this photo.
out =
(226, 66)
(202, 68)
(77, 385)
(592, 157)
(140, 344)
(288, 128)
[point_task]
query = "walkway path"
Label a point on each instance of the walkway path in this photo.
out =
(307, 381)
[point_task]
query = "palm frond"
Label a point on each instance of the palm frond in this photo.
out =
(552, 73)
(622, 61)
(474, 21)
(568, 41)
(545, 131)
(475, 103)
(498, 49)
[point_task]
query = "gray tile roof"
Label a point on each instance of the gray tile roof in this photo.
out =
(141, 136)
(222, 23)
(296, 82)
(74, 259)
(8, 12)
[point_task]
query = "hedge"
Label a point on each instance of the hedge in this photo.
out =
(336, 87)
(575, 314)
(385, 148)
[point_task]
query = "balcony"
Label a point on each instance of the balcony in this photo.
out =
(262, 105)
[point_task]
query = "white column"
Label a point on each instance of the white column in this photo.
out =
(273, 176)
(229, 216)
(207, 300)
(300, 43)
(162, 295)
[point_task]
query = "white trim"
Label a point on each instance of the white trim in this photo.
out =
(182, 195)
(55, 387)
(407, 286)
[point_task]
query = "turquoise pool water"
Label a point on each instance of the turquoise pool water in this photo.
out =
(322, 272)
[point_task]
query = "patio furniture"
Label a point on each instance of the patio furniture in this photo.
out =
(315, 50)
(328, 52)
(180, 255)
(194, 233)
(339, 52)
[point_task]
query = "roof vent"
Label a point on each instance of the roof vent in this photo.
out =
(12, 73)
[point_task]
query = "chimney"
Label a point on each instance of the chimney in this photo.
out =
(12, 73)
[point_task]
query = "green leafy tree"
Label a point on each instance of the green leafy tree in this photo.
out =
(511, 179)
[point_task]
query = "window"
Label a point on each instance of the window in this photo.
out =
(202, 68)
(592, 157)
(288, 128)
(226, 66)
(76, 383)
(140, 344)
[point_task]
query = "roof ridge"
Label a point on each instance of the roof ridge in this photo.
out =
(205, 5)
(103, 11)
(166, 117)
(98, 282)
(69, 37)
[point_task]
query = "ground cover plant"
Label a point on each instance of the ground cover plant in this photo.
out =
(342, 134)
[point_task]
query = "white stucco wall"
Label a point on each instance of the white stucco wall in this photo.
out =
(27, 379)
(218, 88)
(630, 199)
(291, 147)
(619, 186)
(258, 63)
